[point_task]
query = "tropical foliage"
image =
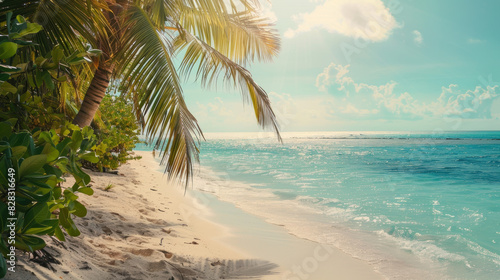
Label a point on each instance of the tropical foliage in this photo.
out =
(38, 89)
(214, 39)
(52, 72)
(31, 171)
(33, 97)
(117, 132)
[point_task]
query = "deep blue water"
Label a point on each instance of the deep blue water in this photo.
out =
(424, 202)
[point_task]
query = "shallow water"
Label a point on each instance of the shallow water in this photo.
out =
(410, 204)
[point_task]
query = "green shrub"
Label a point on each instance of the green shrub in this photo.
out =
(38, 89)
(38, 145)
(32, 166)
(117, 134)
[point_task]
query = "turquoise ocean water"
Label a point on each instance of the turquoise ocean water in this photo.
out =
(411, 204)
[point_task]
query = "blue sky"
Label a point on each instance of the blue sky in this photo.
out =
(371, 65)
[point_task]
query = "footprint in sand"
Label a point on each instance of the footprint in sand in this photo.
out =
(119, 216)
(157, 222)
(115, 255)
(136, 240)
(167, 255)
(98, 245)
(142, 252)
(135, 182)
(114, 262)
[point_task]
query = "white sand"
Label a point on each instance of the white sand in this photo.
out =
(144, 228)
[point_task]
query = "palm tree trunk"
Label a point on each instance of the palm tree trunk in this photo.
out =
(94, 95)
(99, 84)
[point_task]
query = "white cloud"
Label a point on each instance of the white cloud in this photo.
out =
(473, 104)
(367, 19)
(382, 101)
(417, 37)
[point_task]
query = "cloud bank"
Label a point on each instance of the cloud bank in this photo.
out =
(367, 19)
(363, 100)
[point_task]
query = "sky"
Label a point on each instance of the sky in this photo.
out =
(371, 65)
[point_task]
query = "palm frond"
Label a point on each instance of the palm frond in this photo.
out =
(241, 36)
(211, 64)
(64, 22)
(147, 69)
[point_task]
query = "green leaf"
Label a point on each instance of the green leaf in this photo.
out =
(94, 52)
(7, 50)
(31, 28)
(80, 210)
(72, 230)
(63, 217)
(29, 243)
(38, 77)
(57, 54)
(19, 151)
(77, 139)
(61, 146)
(59, 234)
(86, 190)
(47, 78)
(20, 19)
(32, 164)
(51, 152)
(38, 230)
(7, 87)
(90, 157)
(36, 214)
(45, 227)
(20, 139)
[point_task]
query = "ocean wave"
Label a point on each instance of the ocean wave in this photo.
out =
(426, 250)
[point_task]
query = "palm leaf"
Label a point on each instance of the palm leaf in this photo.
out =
(147, 69)
(71, 24)
(65, 22)
(211, 64)
(242, 36)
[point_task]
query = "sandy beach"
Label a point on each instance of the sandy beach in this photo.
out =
(140, 227)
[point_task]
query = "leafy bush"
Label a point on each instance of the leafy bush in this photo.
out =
(31, 170)
(117, 134)
(38, 145)
(37, 88)
(33, 91)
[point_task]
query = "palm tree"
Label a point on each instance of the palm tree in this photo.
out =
(140, 39)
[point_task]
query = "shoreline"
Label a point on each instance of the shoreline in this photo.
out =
(145, 228)
(296, 257)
